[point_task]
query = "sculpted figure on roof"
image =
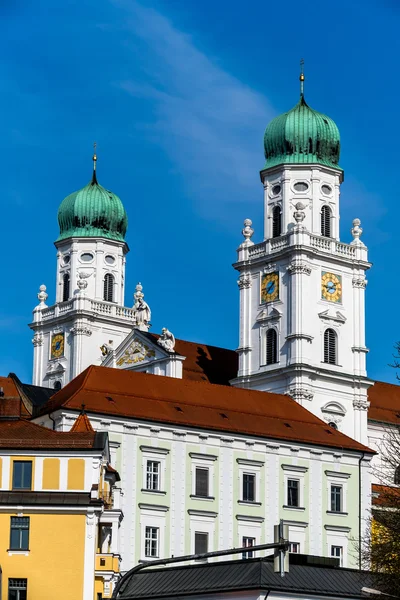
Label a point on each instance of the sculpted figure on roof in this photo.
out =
(167, 340)
(141, 310)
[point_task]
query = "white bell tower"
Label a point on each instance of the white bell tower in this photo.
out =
(302, 315)
(88, 318)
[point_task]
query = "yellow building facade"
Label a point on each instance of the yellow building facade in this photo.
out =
(59, 510)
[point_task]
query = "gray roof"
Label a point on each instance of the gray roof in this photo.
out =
(173, 582)
(25, 498)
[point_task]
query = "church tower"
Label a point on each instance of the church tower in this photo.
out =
(88, 313)
(302, 316)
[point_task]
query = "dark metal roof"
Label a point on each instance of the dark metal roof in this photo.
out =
(38, 395)
(47, 498)
(173, 582)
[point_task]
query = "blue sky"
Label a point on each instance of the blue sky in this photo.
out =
(177, 95)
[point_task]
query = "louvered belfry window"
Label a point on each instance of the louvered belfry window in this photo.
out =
(326, 221)
(396, 479)
(276, 221)
(65, 287)
(109, 288)
(330, 347)
(272, 347)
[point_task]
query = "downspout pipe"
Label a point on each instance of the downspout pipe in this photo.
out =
(359, 511)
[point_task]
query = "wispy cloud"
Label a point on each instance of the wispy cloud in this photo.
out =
(208, 122)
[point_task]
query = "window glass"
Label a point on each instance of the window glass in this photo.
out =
(151, 541)
(293, 492)
(17, 589)
(201, 488)
(200, 542)
(294, 547)
(336, 498)
(153, 475)
(19, 534)
(249, 487)
(248, 542)
(22, 475)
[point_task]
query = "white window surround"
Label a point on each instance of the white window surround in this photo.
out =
(201, 522)
(340, 479)
(251, 467)
(249, 529)
(263, 344)
(337, 536)
(155, 454)
(298, 473)
(152, 516)
(203, 461)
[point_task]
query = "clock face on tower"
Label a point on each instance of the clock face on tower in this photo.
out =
(331, 287)
(57, 345)
(270, 287)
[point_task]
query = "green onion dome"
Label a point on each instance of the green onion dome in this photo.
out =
(92, 211)
(302, 135)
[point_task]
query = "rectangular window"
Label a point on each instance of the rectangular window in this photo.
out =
(200, 542)
(248, 542)
(19, 533)
(337, 552)
(293, 492)
(249, 487)
(17, 589)
(294, 547)
(151, 542)
(336, 498)
(201, 488)
(153, 475)
(22, 475)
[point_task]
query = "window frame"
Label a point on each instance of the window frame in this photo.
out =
(293, 545)
(203, 461)
(249, 553)
(247, 477)
(153, 476)
(198, 484)
(297, 488)
(340, 557)
(205, 535)
(20, 546)
(294, 473)
(22, 487)
(250, 467)
(336, 498)
(18, 589)
(150, 540)
(155, 454)
(339, 479)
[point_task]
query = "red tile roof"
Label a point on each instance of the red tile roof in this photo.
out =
(130, 394)
(82, 424)
(204, 362)
(27, 435)
(384, 495)
(384, 402)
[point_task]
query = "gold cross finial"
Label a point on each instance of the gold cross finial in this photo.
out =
(94, 178)
(302, 78)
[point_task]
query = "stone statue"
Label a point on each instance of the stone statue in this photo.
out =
(166, 340)
(106, 348)
(141, 310)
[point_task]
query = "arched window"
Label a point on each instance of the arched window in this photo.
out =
(271, 347)
(276, 221)
(326, 221)
(65, 295)
(57, 385)
(109, 288)
(330, 347)
(396, 478)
